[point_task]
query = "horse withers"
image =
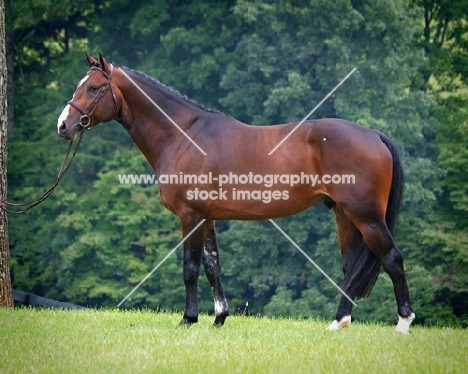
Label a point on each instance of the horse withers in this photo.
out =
(219, 161)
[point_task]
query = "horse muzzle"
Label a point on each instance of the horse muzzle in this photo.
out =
(82, 125)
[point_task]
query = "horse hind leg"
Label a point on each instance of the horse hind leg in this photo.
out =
(212, 267)
(380, 241)
(360, 267)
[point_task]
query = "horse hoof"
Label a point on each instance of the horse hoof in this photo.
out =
(219, 321)
(404, 323)
(188, 321)
(343, 322)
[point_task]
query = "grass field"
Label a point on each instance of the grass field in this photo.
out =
(114, 341)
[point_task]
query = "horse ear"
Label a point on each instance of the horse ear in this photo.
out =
(105, 66)
(91, 60)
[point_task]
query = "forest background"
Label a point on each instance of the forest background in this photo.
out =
(262, 62)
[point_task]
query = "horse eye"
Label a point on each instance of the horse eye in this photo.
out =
(93, 88)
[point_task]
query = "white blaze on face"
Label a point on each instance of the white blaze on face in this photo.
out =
(66, 111)
(82, 82)
(63, 116)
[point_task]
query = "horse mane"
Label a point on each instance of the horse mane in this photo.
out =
(155, 82)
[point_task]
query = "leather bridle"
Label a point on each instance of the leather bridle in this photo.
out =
(80, 127)
(86, 114)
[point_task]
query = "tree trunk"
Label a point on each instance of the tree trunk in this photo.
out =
(10, 58)
(6, 298)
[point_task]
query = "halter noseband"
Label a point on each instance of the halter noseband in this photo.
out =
(85, 118)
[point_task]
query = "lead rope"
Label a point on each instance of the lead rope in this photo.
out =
(82, 126)
(65, 166)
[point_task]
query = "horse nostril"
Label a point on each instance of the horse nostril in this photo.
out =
(62, 127)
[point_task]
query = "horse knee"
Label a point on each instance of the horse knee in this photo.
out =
(191, 272)
(212, 266)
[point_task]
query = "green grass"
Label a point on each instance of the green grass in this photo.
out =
(114, 341)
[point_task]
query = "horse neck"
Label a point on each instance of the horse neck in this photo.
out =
(150, 129)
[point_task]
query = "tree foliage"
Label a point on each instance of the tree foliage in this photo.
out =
(263, 62)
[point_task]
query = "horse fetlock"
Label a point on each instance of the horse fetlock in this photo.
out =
(221, 308)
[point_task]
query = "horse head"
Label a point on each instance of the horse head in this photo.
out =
(94, 100)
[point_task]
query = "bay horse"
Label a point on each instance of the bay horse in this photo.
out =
(180, 137)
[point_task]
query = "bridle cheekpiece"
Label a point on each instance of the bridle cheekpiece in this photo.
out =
(86, 114)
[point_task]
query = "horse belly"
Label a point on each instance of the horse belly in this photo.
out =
(264, 203)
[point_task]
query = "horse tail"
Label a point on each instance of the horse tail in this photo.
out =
(398, 183)
(361, 266)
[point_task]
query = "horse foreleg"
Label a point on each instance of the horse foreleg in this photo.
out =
(193, 247)
(213, 273)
